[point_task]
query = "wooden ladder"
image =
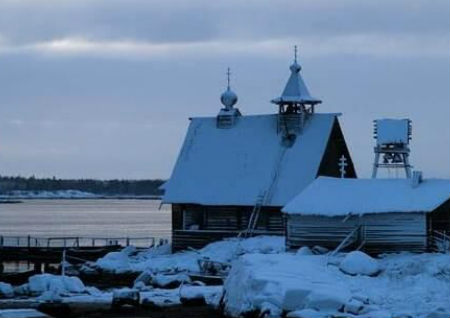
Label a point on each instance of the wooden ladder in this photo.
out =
(265, 196)
(254, 216)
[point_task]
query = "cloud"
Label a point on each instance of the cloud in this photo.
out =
(160, 21)
(378, 45)
(111, 83)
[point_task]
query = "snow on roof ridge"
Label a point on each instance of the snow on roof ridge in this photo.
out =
(264, 115)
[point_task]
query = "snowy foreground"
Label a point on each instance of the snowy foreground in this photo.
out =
(310, 286)
(266, 281)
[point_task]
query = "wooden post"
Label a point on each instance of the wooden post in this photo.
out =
(38, 267)
(28, 241)
(128, 241)
(1, 241)
(93, 242)
(77, 241)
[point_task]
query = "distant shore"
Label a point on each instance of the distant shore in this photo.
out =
(18, 195)
(19, 199)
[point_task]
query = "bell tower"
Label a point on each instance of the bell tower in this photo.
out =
(392, 136)
(295, 103)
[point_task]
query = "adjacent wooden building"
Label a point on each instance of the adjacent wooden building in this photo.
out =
(376, 215)
(235, 172)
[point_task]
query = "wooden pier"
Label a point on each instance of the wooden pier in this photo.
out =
(78, 249)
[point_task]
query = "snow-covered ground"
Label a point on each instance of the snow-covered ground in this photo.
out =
(266, 279)
(161, 260)
(60, 194)
(403, 285)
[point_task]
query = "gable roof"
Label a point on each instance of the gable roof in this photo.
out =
(234, 166)
(333, 196)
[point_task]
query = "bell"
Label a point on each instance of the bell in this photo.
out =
(397, 159)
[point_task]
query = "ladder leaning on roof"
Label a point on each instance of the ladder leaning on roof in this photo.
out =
(264, 197)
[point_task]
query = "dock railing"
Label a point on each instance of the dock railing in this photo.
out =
(78, 241)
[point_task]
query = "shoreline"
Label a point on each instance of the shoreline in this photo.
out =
(16, 199)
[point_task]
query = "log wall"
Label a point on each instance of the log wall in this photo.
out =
(384, 232)
(189, 230)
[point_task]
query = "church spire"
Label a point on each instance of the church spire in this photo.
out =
(295, 92)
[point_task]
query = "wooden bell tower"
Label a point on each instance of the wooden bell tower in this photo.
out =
(295, 102)
(393, 137)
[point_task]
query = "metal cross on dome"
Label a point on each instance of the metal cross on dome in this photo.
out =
(228, 77)
(342, 165)
(295, 53)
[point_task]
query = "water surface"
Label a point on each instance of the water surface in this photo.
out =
(85, 217)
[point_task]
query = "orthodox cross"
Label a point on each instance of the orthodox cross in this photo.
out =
(342, 165)
(295, 53)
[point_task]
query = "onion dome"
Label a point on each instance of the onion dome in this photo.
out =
(228, 98)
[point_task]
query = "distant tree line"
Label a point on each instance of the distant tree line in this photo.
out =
(104, 187)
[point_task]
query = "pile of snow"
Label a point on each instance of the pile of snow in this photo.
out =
(359, 263)
(160, 259)
(274, 283)
(210, 295)
(308, 286)
(6, 290)
(51, 287)
(117, 261)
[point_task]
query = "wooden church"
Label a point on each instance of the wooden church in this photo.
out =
(235, 172)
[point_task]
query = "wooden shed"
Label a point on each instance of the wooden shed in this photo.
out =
(235, 172)
(377, 215)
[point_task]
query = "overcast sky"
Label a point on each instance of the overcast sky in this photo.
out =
(104, 88)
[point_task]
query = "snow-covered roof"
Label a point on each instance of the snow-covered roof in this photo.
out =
(392, 131)
(234, 166)
(334, 196)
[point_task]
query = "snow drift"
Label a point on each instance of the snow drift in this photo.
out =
(311, 286)
(160, 259)
(51, 287)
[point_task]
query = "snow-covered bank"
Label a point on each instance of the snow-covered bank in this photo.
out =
(160, 259)
(59, 194)
(315, 286)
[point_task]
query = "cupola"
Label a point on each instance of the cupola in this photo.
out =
(228, 115)
(295, 102)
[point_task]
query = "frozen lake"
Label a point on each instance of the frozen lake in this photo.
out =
(86, 217)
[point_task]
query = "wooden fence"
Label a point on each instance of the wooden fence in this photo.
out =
(78, 241)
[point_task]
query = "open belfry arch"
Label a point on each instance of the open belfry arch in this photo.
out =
(295, 103)
(235, 172)
(392, 137)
